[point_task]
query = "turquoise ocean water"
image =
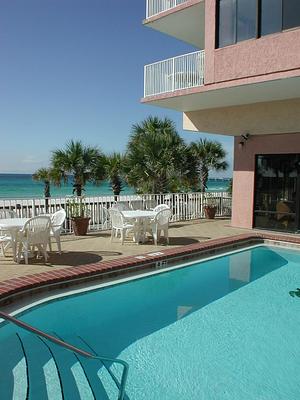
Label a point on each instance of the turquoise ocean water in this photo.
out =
(22, 186)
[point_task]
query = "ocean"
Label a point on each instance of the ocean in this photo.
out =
(19, 186)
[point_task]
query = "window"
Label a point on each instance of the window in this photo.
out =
(239, 20)
(246, 19)
(291, 13)
(227, 22)
(277, 192)
(271, 16)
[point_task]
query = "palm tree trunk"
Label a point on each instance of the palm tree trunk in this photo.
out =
(116, 195)
(116, 186)
(203, 179)
(77, 188)
(47, 189)
(47, 194)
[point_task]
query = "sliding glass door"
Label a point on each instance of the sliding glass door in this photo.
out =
(276, 203)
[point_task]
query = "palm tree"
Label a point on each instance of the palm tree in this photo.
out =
(85, 163)
(209, 156)
(47, 176)
(114, 169)
(156, 157)
(229, 189)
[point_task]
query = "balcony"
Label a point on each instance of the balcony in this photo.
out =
(177, 73)
(182, 19)
(154, 7)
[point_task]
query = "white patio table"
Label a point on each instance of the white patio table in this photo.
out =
(13, 226)
(140, 217)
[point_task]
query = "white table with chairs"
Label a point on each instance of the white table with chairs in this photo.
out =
(140, 222)
(24, 234)
(140, 218)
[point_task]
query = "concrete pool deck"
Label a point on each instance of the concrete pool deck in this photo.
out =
(96, 247)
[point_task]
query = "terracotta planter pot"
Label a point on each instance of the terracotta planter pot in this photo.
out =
(210, 212)
(80, 225)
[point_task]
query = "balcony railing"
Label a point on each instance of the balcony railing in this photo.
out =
(154, 7)
(175, 73)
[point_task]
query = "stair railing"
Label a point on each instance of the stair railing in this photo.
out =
(72, 348)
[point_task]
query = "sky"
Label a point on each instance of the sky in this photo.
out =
(73, 69)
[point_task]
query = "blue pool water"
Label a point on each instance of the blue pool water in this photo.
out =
(222, 329)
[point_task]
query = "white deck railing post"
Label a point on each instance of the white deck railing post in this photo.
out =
(33, 211)
(145, 81)
(184, 206)
(173, 74)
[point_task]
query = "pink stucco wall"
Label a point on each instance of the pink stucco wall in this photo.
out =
(244, 171)
(267, 55)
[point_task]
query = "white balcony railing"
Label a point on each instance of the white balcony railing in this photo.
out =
(175, 73)
(154, 7)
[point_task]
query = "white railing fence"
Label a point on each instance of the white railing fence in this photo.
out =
(154, 7)
(184, 206)
(175, 73)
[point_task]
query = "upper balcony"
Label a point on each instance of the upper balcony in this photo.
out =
(155, 7)
(182, 19)
(177, 73)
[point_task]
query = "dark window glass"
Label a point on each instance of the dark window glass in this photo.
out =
(238, 19)
(271, 16)
(246, 19)
(227, 22)
(276, 194)
(291, 13)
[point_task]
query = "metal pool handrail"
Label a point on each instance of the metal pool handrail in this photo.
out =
(72, 348)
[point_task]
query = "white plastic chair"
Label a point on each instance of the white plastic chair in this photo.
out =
(5, 243)
(7, 214)
(122, 205)
(119, 224)
(57, 221)
(161, 207)
(149, 204)
(35, 233)
(137, 204)
(103, 217)
(5, 237)
(161, 223)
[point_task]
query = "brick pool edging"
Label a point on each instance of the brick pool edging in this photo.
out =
(11, 289)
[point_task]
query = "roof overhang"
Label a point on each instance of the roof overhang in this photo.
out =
(185, 22)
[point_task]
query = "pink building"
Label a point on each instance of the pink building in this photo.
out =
(244, 81)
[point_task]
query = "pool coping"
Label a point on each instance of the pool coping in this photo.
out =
(15, 288)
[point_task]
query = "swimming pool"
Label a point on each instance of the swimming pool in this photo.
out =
(223, 328)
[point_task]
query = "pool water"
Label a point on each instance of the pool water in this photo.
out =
(222, 329)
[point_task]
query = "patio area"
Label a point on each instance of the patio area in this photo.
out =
(97, 247)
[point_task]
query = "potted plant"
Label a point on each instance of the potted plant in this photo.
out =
(210, 206)
(78, 213)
